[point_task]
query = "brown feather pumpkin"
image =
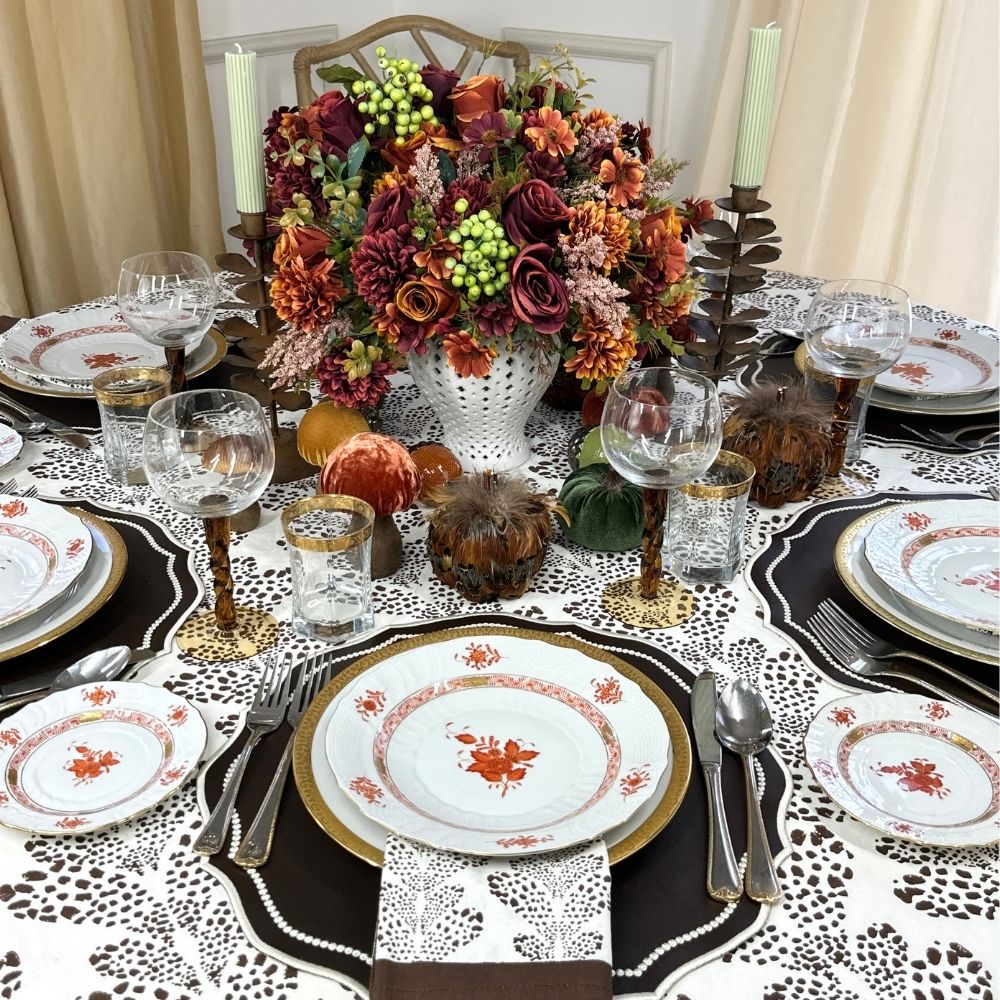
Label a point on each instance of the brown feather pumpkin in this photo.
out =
(785, 432)
(488, 535)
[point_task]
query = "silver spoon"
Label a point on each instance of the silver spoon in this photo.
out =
(743, 725)
(102, 665)
(23, 426)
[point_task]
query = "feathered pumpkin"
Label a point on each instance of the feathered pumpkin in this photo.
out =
(488, 535)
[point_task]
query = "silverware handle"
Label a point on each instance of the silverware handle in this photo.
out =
(723, 878)
(761, 880)
(256, 846)
(944, 695)
(214, 835)
(957, 677)
(13, 404)
(24, 699)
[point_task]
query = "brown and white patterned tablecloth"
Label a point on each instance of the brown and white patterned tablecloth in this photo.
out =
(132, 912)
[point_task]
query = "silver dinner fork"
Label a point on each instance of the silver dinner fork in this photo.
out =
(256, 846)
(266, 714)
(863, 665)
(933, 436)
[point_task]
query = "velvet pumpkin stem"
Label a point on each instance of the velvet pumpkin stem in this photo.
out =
(217, 536)
(654, 503)
(847, 389)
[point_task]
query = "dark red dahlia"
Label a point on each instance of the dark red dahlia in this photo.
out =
(495, 318)
(365, 391)
(544, 167)
(381, 263)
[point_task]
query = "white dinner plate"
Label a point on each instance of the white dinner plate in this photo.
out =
(491, 748)
(11, 444)
(43, 549)
(76, 346)
(95, 755)
(944, 361)
(944, 557)
(862, 581)
(911, 766)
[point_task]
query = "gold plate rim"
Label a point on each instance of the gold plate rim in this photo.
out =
(119, 563)
(842, 562)
(221, 346)
(330, 823)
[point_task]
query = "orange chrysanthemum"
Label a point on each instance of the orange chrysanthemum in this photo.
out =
(394, 178)
(467, 356)
(554, 135)
(595, 219)
(600, 354)
(598, 118)
(623, 176)
(668, 251)
(305, 297)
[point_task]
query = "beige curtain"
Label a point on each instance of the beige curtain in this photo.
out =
(883, 161)
(107, 148)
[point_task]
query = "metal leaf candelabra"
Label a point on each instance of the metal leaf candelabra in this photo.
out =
(726, 338)
(254, 340)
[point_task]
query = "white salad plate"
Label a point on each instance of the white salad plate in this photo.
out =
(43, 549)
(944, 361)
(864, 584)
(911, 766)
(494, 747)
(944, 557)
(11, 444)
(87, 758)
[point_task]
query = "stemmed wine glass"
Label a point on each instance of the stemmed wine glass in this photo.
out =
(210, 454)
(854, 330)
(168, 298)
(661, 428)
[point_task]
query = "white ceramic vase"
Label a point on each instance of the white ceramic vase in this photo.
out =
(484, 418)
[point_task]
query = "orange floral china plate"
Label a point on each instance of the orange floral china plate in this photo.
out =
(499, 746)
(43, 549)
(96, 755)
(939, 361)
(911, 766)
(11, 444)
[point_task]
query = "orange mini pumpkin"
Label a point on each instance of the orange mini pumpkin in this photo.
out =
(437, 466)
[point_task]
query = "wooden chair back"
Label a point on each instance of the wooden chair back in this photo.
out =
(416, 25)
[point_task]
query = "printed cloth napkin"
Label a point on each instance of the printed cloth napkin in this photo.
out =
(454, 925)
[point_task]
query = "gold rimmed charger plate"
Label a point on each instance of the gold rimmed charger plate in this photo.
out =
(842, 560)
(119, 562)
(219, 348)
(680, 745)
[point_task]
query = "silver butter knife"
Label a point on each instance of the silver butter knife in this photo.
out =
(723, 879)
(56, 427)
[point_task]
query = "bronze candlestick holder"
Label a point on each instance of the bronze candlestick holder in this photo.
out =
(253, 341)
(726, 339)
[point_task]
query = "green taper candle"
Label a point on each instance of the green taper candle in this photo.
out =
(755, 109)
(244, 126)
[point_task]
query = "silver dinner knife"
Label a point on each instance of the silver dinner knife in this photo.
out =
(723, 880)
(56, 427)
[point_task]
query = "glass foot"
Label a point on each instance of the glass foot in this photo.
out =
(673, 604)
(199, 637)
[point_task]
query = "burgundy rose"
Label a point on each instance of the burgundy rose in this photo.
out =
(550, 169)
(533, 213)
(537, 294)
(388, 210)
(440, 82)
(338, 122)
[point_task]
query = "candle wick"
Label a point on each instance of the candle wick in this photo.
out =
(239, 48)
(771, 25)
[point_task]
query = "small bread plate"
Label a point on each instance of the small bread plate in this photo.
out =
(911, 766)
(11, 444)
(492, 742)
(95, 755)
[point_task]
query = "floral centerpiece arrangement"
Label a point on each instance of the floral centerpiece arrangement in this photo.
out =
(421, 211)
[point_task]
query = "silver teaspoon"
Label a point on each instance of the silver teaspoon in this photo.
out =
(743, 725)
(102, 665)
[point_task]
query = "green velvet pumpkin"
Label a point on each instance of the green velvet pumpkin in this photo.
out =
(605, 509)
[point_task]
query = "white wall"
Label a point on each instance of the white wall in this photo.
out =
(659, 62)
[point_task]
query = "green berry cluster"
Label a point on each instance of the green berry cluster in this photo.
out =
(400, 104)
(484, 254)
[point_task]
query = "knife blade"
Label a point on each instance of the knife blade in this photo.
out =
(42, 682)
(52, 425)
(722, 879)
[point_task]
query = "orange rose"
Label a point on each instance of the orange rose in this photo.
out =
(476, 97)
(300, 241)
(426, 300)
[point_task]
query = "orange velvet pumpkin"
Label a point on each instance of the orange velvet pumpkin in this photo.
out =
(374, 467)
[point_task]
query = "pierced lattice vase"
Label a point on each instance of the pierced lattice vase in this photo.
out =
(484, 418)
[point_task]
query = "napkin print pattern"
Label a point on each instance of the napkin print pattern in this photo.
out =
(438, 906)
